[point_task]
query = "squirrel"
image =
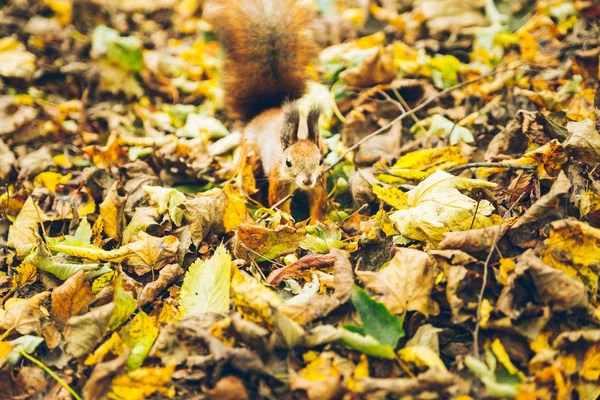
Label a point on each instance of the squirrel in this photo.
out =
(267, 48)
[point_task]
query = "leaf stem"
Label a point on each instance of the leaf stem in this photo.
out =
(51, 373)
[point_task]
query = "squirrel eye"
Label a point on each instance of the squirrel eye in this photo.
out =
(288, 162)
(321, 161)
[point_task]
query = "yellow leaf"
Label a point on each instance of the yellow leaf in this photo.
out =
(252, 299)
(572, 247)
(391, 195)
(24, 230)
(5, 350)
(437, 205)
(541, 342)
(504, 359)
(507, 265)
(62, 161)
(422, 356)
(419, 164)
(383, 222)
(590, 369)
(141, 383)
(321, 378)
(113, 345)
(235, 211)
(25, 274)
(568, 363)
(374, 40)
(51, 179)
(360, 371)
(590, 202)
(486, 310)
(169, 312)
(139, 335)
(63, 10)
(405, 284)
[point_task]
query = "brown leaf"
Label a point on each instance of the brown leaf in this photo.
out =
(320, 305)
(440, 382)
(205, 212)
(474, 240)
(524, 232)
(24, 315)
(111, 211)
(85, 331)
(151, 253)
(552, 286)
(405, 284)
(376, 68)
(584, 142)
(169, 274)
(269, 243)
(6, 162)
(461, 284)
(297, 268)
(98, 384)
(72, 297)
(228, 388)
(321, 379)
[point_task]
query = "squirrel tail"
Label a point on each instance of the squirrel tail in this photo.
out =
(267, 48)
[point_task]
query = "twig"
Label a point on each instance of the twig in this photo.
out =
(259, 255)
(485, 276)
(491, 165)
(51, 373)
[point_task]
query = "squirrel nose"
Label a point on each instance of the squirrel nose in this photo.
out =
(307, 181)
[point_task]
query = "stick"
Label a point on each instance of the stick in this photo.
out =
(491, 165)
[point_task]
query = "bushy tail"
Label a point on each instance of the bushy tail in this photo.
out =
(267, 47)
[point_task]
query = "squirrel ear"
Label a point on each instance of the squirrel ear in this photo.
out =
(312, 122)
(291, 121)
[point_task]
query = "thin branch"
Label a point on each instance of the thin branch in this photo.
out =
(259, 255)
(459, 168)
(51, 373)
(485, 276)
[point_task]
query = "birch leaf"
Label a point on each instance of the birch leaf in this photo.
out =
(206, 284)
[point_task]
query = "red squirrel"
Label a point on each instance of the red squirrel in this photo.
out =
(267, 48)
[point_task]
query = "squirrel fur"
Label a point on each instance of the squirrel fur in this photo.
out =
(267, 48)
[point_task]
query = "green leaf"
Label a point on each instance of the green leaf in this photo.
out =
(167, 199)
(321, 238)
(125, 305)
(377, 320)
(127, 52)
(139, 335)
(83, 234)
(206, 284)
(27, 343)
(367, 344)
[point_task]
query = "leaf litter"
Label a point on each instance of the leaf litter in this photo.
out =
(458, 257)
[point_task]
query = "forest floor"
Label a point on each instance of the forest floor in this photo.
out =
(460, 252)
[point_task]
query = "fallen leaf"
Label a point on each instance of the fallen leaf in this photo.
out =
(169, 274)
(72, 297)
(111, 211)
(296, 268)
(24, 315)
(206, 284)
(84, 332)
(436, 205)
(141, 383)
(405, 284)
(24, 230)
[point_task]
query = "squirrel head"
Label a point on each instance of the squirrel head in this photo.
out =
(302, 158)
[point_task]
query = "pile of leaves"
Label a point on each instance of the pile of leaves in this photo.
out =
(459, 257)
